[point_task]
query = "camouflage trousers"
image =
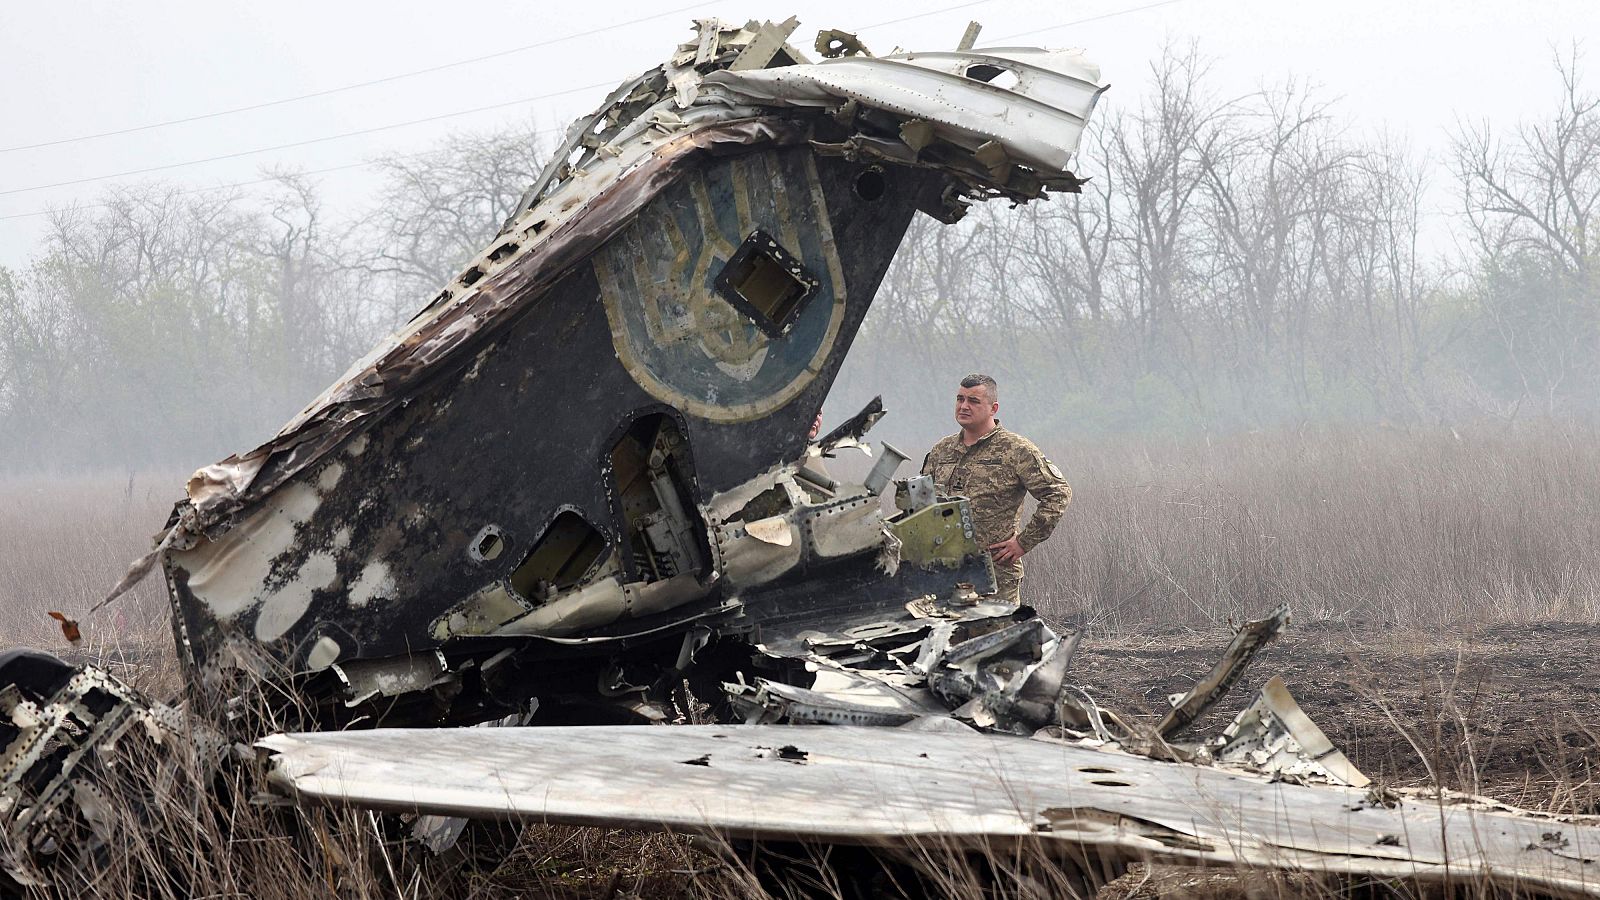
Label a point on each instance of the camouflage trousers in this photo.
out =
(1008, 581)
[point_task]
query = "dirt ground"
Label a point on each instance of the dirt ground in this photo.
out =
(1508, 711)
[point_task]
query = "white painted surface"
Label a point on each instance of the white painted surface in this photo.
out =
(893, 785)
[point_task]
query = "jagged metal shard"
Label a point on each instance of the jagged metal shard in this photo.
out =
(1274, 735)
(578, 481)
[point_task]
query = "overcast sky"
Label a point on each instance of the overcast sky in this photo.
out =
(69, 70)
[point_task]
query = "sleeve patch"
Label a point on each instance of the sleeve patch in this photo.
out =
(1051, 468)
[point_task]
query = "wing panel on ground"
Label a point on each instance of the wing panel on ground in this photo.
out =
(893, 787)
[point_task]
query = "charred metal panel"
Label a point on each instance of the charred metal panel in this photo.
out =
(790, 609)
(70, 737)
(359, 554)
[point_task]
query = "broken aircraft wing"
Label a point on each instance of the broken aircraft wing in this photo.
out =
(902, 788)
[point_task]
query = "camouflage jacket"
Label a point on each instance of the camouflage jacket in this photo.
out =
(994, 474)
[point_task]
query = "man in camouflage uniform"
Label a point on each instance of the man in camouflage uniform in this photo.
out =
(993, 468)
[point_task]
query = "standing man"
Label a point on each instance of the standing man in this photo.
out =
(993, 468)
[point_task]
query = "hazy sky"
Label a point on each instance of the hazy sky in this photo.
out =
(68, 70)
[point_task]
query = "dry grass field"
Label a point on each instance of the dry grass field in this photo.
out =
(1430, 528)
(1445, 590)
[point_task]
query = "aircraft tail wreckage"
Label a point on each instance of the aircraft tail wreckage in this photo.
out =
(576, 488)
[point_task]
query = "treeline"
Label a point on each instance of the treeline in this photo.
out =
(1231, 264)
(170, 328)
(1255, 263)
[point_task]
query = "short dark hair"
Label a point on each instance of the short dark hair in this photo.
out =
(975, 379)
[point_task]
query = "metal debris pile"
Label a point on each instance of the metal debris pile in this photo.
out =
(678, 290)
(973, 665)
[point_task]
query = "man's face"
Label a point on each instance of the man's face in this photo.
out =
(973, 406)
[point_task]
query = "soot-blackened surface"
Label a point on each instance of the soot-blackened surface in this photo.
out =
(518, 433)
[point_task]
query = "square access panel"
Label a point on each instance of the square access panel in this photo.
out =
(766, 283)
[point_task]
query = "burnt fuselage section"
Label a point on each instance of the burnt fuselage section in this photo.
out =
(580, 448)
(582, 469)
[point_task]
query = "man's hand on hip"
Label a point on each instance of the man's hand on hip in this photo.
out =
(1007, 550)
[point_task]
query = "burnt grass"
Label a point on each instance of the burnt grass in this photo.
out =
(1508, 711)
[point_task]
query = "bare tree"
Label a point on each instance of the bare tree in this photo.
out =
(1158, 153)
(1530, 202)
(438, 209)
(1065, 249)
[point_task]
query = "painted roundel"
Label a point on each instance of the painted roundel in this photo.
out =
(725, 295)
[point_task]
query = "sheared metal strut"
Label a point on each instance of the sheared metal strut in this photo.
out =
(1247, 641)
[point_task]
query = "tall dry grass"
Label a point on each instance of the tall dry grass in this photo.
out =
(64, 541)
(1427, 528)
